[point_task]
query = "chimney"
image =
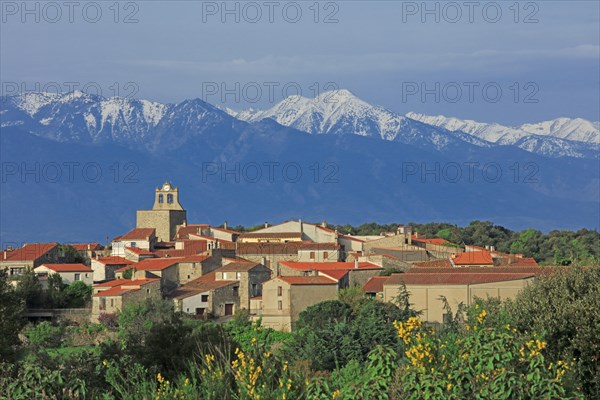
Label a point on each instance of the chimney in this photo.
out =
(266, 224)
(89, 247)
(225, 225)
(356, 263)
(324, 224)
(4, 253)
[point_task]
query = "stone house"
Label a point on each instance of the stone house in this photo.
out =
(30, 256)
(358, 272)
(208, 297)
(104, 268)
(110, 297)
(458, 285)
(164, 268)
(285, 297)
(250, 276)
(68, 272)
(142, 238)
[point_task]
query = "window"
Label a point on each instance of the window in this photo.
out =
(170, 199)
(238, 275)
(312, 255)
(77, 277)
(147, 291)
(254, 289)
(279, 290)
(236, 290)
(325, 255)
(447, 318)
(112, 302)
(102, 305)
(133, 244)
(204, 298)
(161, 198)
(280, 305)
(188, 277)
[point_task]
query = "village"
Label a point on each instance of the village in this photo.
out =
(273, 273)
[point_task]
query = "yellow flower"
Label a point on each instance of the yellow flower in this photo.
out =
(449, 386)
(335, 394)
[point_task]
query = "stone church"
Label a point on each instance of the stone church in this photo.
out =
(166, 216)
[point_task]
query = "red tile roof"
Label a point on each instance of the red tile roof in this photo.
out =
(136, 234)
(444, 263)
(473, 258)
(375, 284)
(307, 280)
(270, 235)
(185, 231)
(86, 246)
(140, 252)
(125, 285)
(334, 273)
(434, 241)
(152, 264)
(326, 266)
(29, 252)
(455, 279)
(67, 267)
(114, 260)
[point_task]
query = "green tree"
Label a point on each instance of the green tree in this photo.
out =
(565, 306)
(78, 294)
(352, 296)
(11, 317)
(29, 289)
(56, 291)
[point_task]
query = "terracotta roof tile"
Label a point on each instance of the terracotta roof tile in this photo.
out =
(473, 258)
(114, 260)
(307, 280)
(375, 284)
(136, 234)
(29, 252)
(67, 267)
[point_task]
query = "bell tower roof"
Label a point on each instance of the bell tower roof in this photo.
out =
(167, 198)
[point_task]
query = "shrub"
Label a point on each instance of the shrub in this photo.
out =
(44, 334)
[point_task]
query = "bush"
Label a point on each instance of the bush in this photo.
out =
(485, 360)
(44, 334)
(565, 305)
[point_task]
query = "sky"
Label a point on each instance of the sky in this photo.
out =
(506, 61)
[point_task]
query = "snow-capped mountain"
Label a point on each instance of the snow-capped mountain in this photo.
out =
(79, 117)
(577, 129)
(562, 137)
(340, 112)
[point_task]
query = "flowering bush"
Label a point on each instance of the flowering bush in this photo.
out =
(484, 360)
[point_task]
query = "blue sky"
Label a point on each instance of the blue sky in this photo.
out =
(380, 50)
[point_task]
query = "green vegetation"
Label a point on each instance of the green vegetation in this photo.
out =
(580, 247)
(543, 345)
